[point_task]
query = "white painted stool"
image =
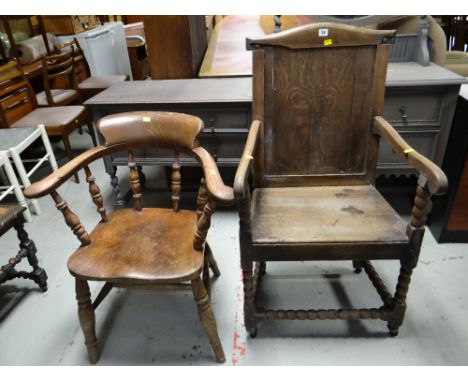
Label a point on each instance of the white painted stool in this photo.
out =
(14, 186)
(13, 141)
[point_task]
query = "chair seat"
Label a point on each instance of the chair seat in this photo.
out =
(52, 117)
(151, 246)
(101, 82)
(328, 218)
(8, 215)
(58, 95)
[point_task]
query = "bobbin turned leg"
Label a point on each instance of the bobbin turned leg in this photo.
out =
(38, 275)
(357, 265)
(399, 307)
(87, 319)
(207, 319)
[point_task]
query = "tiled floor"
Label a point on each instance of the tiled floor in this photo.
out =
(147, 328)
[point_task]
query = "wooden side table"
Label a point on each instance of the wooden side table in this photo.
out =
(12, 217)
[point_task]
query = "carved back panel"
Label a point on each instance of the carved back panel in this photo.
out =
(322, 86)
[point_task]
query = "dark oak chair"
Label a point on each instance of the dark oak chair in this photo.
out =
(19, 108)
(318, 95)
(11, 216)
(143, 247)
(58, 70)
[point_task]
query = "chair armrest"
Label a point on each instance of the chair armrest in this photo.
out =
(242, 173)
(219, 192)
(59, 176)
(436, 180)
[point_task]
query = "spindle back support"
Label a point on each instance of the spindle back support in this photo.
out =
(128, 131)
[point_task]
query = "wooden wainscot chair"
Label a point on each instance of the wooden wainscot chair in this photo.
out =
(143, 247)
(19, 108)
(318, 94)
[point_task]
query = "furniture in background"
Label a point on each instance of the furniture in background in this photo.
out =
(176, 45)
(318, 95)
(14, 141)
(105, 50)
(58, 70)
(138, 56)
(143, 247)
(449, 218)
(11, 185)
(419, 102)
(222, 103)
(67, 25)
(8, 49)
(19, 108)
(11, 217)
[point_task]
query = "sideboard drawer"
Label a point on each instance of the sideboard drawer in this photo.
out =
(422, 141)
(406, 107)
(221, 119)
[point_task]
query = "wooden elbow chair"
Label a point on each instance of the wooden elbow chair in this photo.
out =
(318, 95)
(167, 246)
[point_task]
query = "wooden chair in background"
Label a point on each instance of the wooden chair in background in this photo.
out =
(93, 85)
(318, 94)
(143, 247)
(19, 108)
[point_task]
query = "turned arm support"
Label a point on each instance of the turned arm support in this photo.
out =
(59, 176)
(242, 173)
(436, 180)
(218, 191)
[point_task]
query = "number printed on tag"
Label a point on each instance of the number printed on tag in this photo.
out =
(323, 32)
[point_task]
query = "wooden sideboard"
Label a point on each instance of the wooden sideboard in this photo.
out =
(449, 218)
(419, 101)
(223, 105)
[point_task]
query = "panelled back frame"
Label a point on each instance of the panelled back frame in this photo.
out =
(300, 84)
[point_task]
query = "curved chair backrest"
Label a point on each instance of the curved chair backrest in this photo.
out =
(58, 67)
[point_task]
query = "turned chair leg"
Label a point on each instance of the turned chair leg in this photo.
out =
(207, 318)
(89, 123)
(357, 265)
(211, 261)
(399, 307)
(206, 275)
(249, 300)
(68, 150)
(38, 275)
(87, 319)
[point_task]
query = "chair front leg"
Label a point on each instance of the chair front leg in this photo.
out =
(207, 318)
(87, 319)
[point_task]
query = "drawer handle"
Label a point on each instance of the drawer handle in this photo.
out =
(403, 114)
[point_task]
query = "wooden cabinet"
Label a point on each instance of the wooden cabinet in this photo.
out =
(420, 103)
(176, 45)
(449, 219)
